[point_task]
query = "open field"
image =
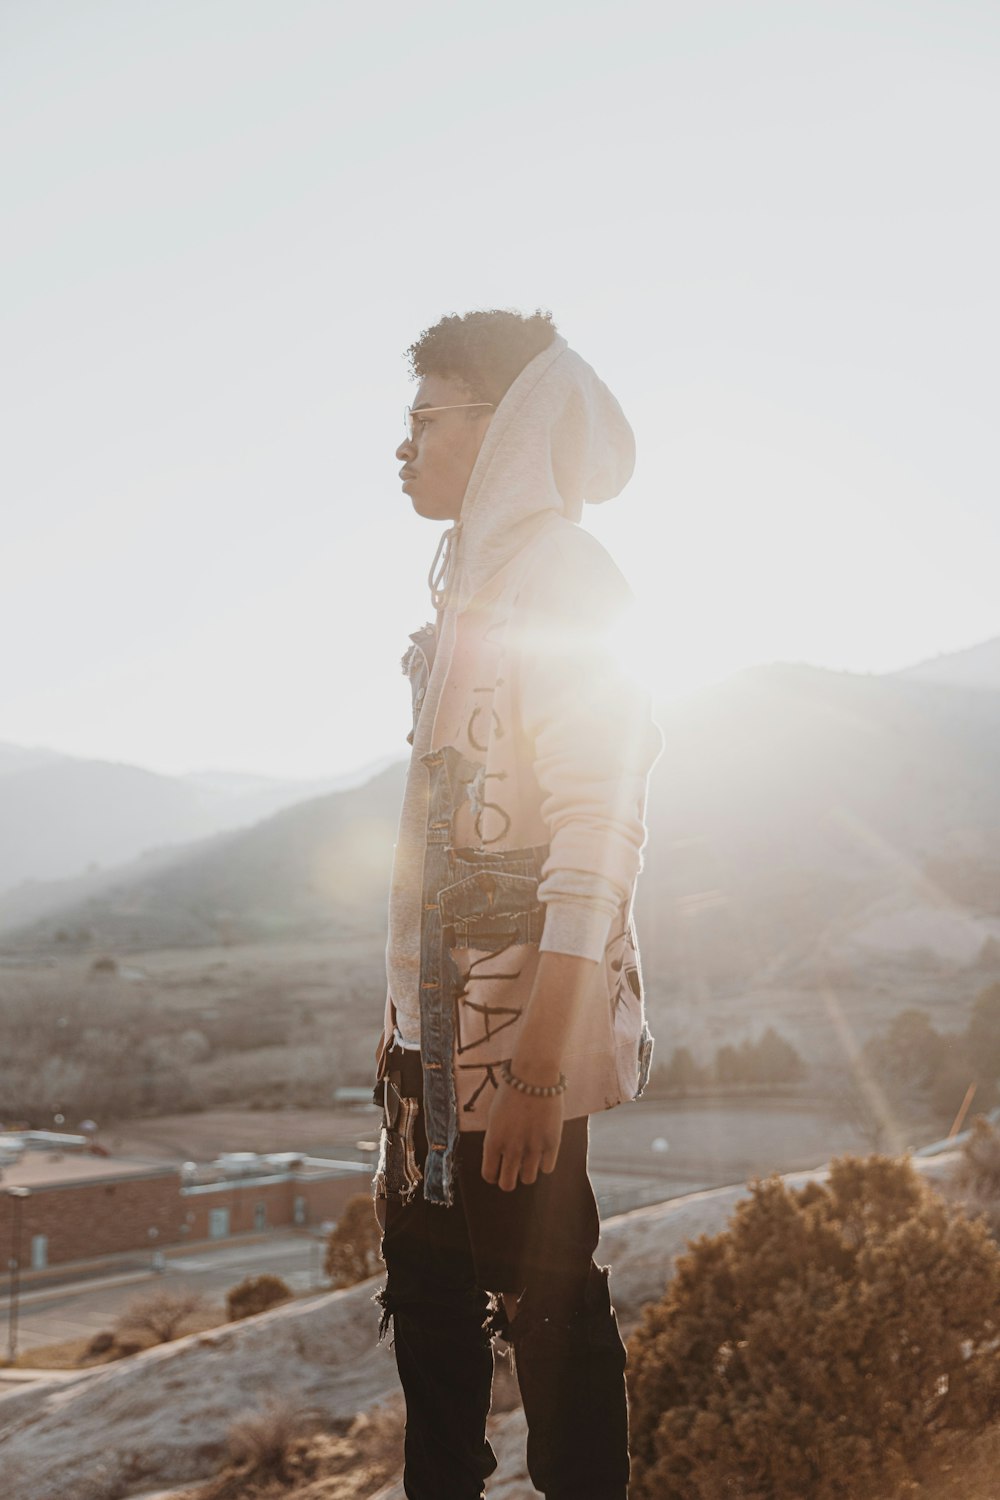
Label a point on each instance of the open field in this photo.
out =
(201, 1136)
(270, 1025)
(188, 1029)
(180, 1054)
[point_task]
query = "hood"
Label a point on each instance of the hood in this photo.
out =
(557, 439)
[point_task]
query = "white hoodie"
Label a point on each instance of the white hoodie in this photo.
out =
(525, 681)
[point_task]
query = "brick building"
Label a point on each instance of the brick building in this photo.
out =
(80, 1205)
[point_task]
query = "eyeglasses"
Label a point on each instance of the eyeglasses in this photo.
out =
(410, 416)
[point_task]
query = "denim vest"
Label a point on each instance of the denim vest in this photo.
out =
(472, 898)
(472, 959)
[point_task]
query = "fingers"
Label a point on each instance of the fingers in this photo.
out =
(500, 1166)
(549, 1156)
(509, 1171)
(491, 1158)
(529, 1166)
(521, 1140)
(516, 1166)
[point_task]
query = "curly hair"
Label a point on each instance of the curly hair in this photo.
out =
(484, 351)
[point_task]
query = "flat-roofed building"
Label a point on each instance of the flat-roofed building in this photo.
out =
(81, 1203)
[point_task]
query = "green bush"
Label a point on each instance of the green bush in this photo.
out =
(807, 1351)
(255, 1295)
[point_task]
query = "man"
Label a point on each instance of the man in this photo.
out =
(514, 1006)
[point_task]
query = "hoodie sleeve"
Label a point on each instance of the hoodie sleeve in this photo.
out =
(591, 740)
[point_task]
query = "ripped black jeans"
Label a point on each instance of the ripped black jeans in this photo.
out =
(443, 1262)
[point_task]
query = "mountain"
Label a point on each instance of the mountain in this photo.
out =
(258, 796)
(319, 868)
(22, 757)
(61, 816)
(65, 817)
(974, 667)
(800, 819)
(794, 809)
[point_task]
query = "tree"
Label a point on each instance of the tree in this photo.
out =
(769, 1060)
(161, 1313)
(873, 1111)
(984, 1033)
(952, 1083)
(682, 1072)
(727, 1064)
(776, 1060)
(910, 1052)
(352, 1250)
(917, 1071)
(809, 1349)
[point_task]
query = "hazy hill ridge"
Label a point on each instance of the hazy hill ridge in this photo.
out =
(789, 802)
(64, 818)
(22, 757)
(317, 868)
(61, 815)
(976, 666)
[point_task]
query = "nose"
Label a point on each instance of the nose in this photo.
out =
(406, 450)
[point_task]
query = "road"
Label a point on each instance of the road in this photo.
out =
(54, 1314)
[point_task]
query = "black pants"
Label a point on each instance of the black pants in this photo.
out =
(442, 1262)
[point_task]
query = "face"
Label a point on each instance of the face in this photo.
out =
(439, 459)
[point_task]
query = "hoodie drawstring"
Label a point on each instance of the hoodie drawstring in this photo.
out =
(440, 575)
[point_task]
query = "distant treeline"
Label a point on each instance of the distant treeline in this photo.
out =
(914, 1063)
(769, 1061)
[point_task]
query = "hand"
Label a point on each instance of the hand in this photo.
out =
(522, 1135)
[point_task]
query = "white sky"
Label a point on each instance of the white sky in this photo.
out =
(772, 228)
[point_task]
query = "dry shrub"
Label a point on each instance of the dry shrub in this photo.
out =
(256, 1294)
(979, 1170)
(960, 1466)
(101, 1343)
(977, 1177)
(348, 1459)
(268, 1450)
(369, 1454)
(161, 1313)
(352, 1251)
(808, 1351)
(264, 1441)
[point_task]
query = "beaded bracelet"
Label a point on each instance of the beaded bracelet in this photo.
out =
(536, 1090)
